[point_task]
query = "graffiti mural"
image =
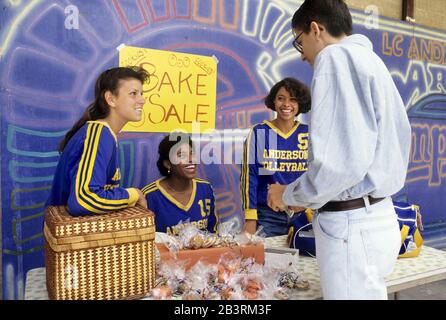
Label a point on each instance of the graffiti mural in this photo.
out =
(52, 51)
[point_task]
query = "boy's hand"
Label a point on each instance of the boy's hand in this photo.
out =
(275, 192)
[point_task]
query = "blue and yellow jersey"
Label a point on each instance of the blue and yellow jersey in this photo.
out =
(200, 210)
(270, 156)
(87, 177)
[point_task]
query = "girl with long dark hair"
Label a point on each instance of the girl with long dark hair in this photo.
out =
(87, 177)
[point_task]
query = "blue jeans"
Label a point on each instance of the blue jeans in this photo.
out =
(273, 223)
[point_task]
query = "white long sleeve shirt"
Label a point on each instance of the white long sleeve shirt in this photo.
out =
(359, 130)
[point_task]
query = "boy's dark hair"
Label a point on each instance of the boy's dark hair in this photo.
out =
(296, 89)
(168, 142)
(99, 109)
(332, 14)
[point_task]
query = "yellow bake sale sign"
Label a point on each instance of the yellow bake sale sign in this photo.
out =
(180, 93)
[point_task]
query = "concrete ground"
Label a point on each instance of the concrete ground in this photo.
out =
(431, 291)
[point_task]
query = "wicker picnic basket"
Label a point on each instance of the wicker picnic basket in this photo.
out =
(109, 256)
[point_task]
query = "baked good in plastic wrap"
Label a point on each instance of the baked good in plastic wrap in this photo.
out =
(192, 238)
(232, 278)
(284, 275)
(192, 245)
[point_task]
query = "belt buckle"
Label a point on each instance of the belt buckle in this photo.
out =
(289, 212)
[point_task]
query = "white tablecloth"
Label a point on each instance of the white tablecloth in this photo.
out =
(429, 266)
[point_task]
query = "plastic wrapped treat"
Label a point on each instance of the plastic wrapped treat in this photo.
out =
(251, 288)
(226, 292)
(239, 278)
(282, 276)
(233, 278)
(292, 280)
(281, 294)
(190, 236)
(229, 228)
(199, 276)
(290, 277)
(173, 245)
(162, 293)
(174, 276)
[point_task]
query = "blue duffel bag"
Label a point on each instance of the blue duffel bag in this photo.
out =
(301, 235)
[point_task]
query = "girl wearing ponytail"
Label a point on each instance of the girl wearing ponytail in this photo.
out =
(87, 178)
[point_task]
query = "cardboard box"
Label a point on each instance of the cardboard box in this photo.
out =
(212, 255)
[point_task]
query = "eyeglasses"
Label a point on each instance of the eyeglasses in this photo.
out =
(297, 45)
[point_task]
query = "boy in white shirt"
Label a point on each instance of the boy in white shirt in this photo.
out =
(359, 152)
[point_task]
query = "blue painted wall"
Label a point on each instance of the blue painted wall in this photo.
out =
(47, 71)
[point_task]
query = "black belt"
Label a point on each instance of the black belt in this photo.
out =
(348, 204)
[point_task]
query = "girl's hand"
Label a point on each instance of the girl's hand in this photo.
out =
(250, 226)
(142, 199)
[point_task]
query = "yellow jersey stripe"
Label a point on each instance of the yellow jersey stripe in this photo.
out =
(106, 125)
(279, 132)
(87, 144)
(151, 185)
(216, 215)
(89, 157)
(175, 201)
(81, 170)
(201, 180)
(147, 191)
(246, 188)
(98, 201)
(242, 176)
